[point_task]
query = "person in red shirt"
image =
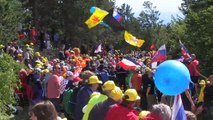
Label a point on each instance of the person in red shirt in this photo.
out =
(194, 72)
(33, 35)
(53, 87)
(125, 110)
(23, 77)
(136, 80)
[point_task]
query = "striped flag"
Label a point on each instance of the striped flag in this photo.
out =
(113, 21)
(117, 16)
(98, 49)
(160, 55)
(128, 63)
(178, 112)
(184, 51)
(181, 59)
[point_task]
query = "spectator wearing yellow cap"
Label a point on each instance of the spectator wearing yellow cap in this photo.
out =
(199, 109)
(84, 95)
(107, 87)
(19, 57)
(143, 114)
(46, 75)
(125, 110)
(1, 46)
(208, 99)
(1, 50)
(37, 54)
(202, 84)
(36, 58)
(27, 46)
(100, 110)
(148, 92)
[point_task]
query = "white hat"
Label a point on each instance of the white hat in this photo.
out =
(69, 73)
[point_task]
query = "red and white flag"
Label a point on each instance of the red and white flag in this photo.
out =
(98, 49)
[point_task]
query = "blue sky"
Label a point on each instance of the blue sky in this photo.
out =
(167, 8)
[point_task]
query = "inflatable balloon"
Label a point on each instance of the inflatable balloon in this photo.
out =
(172, 77)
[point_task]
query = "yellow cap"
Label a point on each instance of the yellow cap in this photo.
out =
(202, 82)
(142, 59)
(1, 46)
(143, 114)
(19, 55)
(94, 80)
(148, 69)
(108, 85)
(131, 95)
(45, 71)
(27, 45)
(37, 54)
(38, 66)
(116, 94)
(44, 59)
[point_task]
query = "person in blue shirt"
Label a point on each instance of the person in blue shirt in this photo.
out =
(84, 95)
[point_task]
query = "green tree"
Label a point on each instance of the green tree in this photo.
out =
(131, 24)
(199, 29)
(9, 70)
(150, 23)
(68, 17)
(11, 15)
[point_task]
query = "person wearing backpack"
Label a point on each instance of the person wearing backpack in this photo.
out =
(69, 97)
(99, 111)
(84, 95)
(107, 87)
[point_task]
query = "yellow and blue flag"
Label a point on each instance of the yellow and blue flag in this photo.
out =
(96, 17)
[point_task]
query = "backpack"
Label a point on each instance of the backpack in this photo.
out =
(67, 101)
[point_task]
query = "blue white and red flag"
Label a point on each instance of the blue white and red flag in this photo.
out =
(178, 112)
(160, 55)
(184, 51)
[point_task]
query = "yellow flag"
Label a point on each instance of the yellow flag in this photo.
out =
(132, 40)
(96, 17)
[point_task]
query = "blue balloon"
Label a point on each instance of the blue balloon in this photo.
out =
(172, 77)
(92, 9)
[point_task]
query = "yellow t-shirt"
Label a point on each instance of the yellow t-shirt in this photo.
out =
(92, 102)
(201, 95)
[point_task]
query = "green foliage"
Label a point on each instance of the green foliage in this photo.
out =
(11, 15)
(68, 17)
(199, 29)
(150, 23)
(9, 70)
(131, 24)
